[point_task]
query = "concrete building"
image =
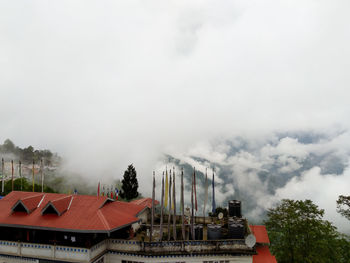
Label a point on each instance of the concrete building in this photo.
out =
(45, 227)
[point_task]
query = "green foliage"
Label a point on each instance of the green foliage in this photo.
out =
(299, 234)
(343, 206)
(28, 154)
(129, 184)
(24, 185)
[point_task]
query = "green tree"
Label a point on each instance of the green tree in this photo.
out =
(25, 185)
(8, 146)
(129, 184)
(299, 234)
(343, 206)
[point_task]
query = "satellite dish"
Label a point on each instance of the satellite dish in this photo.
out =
(220, 215)
(250, 240)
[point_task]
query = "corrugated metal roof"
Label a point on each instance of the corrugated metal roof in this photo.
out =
(85, 213)
(145, 202)
(264, 255)
(260, 234)
(31, 202)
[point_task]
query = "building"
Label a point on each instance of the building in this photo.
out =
(45, 227)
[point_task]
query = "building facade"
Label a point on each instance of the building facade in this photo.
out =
(45, 227)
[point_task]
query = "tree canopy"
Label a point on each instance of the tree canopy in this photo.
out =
(343, 206)
(28, 154)
(22, 184)
(299, 234)
(129, 184)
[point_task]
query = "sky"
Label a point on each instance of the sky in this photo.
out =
(110, 83)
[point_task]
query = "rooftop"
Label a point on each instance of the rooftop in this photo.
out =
(77, 213)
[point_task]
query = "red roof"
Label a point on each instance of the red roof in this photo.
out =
(260, 234)
(264, 255)
(83, 213)
(145, 202)
(31, 202)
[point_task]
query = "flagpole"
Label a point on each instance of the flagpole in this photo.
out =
(20, 173)
(42, 175)
(12, 171)
(166, 188)
(169, 215)
(192, 212)
(3, 175)
(213, 185)
(205, 193)
(33, 174)
(195, 189)
(152, 211)
(161, 210)
(182, 205)
(174, 206)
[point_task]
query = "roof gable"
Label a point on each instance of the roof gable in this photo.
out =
(27, 204)
(57, 206)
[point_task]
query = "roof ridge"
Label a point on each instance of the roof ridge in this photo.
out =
(103, 219)
(61, 198)
(32, 196)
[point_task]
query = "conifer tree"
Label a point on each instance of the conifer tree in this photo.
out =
(129, 184)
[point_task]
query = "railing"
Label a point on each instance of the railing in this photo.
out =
(32, 250)
(76, 254)
(209, 246)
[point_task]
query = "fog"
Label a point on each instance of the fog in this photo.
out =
(119, 82)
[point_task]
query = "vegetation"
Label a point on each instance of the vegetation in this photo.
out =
(299, 234)
(343, 206)
(22, 184)
(129, 184)
(28, 154)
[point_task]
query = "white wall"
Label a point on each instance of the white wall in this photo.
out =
(117, 258)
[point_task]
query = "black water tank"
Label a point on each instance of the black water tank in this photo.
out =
(234, 208)
(213, 232)
(198, 232)
(231, 206)
(236, 230)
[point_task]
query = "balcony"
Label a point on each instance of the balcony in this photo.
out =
(76, 254)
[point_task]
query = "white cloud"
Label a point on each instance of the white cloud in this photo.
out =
(119, 82)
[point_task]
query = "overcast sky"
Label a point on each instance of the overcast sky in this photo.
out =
(109, 83)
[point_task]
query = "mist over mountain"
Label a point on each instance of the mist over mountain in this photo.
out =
(260, 172)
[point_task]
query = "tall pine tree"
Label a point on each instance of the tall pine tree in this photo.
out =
(129, 184)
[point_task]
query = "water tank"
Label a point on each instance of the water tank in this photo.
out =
(236, 230)
(231, 211)
(213, 232)
(234, 208)
(198, 232)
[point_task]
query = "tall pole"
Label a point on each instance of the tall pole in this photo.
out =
(12, 172)
(213, 185)
(170, 206)
(182, 205)
(174, 206)
(20, 173)
(152, 209)
(42, 175)
(33, 174)
(195, 189)
(192, 215)
(205, 193)
(3, 175)
(161, 210)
